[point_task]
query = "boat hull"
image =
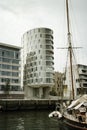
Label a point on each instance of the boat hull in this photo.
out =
(73, 125)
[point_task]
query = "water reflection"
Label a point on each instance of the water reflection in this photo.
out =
(20, 125)
(30, 120)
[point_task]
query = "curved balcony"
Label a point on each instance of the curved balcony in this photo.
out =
(49, 58)
(49, 63)
(49, 47)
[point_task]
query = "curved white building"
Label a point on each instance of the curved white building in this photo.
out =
(38, 62)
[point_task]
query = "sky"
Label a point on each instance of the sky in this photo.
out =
(19, 16)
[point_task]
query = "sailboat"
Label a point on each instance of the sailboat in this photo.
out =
(75, 115)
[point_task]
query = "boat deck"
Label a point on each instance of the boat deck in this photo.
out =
(75, 118)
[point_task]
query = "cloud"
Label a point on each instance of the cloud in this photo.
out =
(7, 9)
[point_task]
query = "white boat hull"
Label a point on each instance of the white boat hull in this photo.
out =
(55, 115)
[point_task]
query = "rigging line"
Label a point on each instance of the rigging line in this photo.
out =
(65, 67)
(66, 61)
(74, 65)
(81, 91)
(67, 47)
(74, 24)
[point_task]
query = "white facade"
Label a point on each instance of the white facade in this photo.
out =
(82, 79)
(38, 61)
(79, 81)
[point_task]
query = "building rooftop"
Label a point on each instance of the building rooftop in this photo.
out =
(9, 45)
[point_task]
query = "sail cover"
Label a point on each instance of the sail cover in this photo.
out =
(77, 103)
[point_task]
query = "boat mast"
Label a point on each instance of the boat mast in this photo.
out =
(69, 47)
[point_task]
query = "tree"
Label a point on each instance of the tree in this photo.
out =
(7, 85)
(53, 92)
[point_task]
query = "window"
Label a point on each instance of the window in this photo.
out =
(6, 66)
(39, 40)
(15, 81)
(36, 68)
(48, 74)
(2, 53)
(48, 63)
(15, 67)
(38, 30)
(11, 54)
(40, 35)
(40, 46)
(41, 57)
(39, 62)
(15, 61)
(36, 36)
(14, 74)
(0, 59)
(16, 55)
(6, 73)
(36, 80)
(39, 73)
(48, 30)
(35, 74)
(39, 51)
(48, 80)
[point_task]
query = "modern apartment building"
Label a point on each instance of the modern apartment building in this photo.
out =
(38, 62)
(10, 67)
(79, 80)
(82, 79)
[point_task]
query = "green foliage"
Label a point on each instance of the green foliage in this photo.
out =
(7, 86)
(53, 92)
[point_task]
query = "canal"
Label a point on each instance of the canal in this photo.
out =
(28, 120)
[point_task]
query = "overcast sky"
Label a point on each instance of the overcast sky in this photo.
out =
(19, 16)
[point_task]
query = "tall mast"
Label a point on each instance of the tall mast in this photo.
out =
(69, 47)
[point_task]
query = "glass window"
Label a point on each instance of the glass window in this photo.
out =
(16, 55)
(15, 74)
(15, 61)
(48, 80)
(39, 51)
(6, 60)
(36, 80)
(40, 35)
(6, 73)
(38, 30)
(35, 35)
(15, 67)
(39, 40)
(2, 53)
(40, 46)
(39, 62)
(41, 68)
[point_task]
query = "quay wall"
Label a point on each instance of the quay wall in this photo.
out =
(12, 95)
(27, 104)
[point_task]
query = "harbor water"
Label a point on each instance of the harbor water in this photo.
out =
(28, 120)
